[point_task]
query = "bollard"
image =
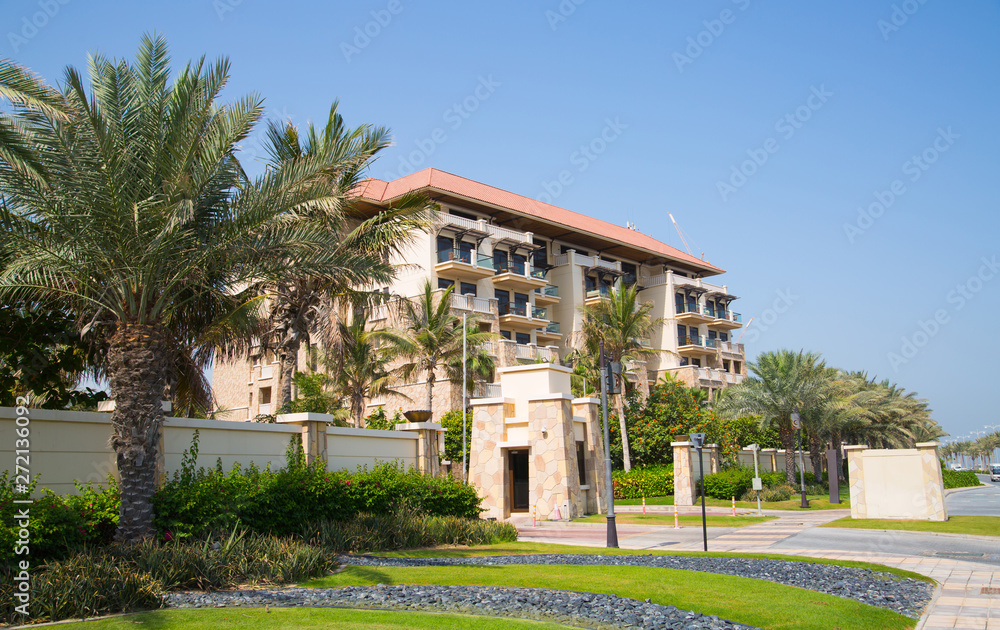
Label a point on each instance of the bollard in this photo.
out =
(734, 506)
(677, 520)
(643, 505)
(534, 513)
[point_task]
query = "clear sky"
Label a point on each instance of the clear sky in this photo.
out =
(838, 159)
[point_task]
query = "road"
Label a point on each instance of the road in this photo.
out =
(978, 502)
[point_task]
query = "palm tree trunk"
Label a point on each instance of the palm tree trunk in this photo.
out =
(137, 373)
(619, 408)
(430, 392)
(787, 437)
(816, 456)
(358, 409)
(288, 364)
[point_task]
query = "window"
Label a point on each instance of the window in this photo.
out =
(468, 288)
(679, 302)
(565, 248)
(540, 258)
(464, 215)
(517, 262)
(505, 334)
(723, 336)
(737, 368)
(445, 284)
(630, 273)
(264, 396)
(521, 298)
(522, 338)
(725, 365)
(696, 362)
(444, 244)
(712, 334)
(465, 250)
(500, 260)
(503, 301)
(684, 361)
(681, 334)
(581, 455)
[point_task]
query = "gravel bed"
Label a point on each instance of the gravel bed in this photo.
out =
(902, 595)
(586, 610)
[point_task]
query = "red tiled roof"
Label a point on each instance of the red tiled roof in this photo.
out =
(381, 191)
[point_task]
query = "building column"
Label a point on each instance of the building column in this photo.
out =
(684, 482)
(430, 435)
(597, 497)
(313, 433)
(487, 462)
(933, 481)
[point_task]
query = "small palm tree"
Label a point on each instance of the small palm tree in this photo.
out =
(137, 216)
(431, 339)
(360, 368)
(620, 322)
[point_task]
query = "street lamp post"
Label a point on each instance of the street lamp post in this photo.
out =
(612, 540)
(698, 440)
(465, 392)
(797, 425)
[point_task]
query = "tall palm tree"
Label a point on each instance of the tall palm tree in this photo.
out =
(430, 339)
(302, 305)
(360, 367)
(782, 381)
(621, 322)
(27, 94)
(140, 218)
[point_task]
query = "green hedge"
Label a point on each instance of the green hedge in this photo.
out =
(651, 481)
(736, 482)
(960, 478)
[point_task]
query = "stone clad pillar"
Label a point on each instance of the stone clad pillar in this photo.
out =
(553, 454)
(487, 464)
(428, 445)
(856, 475)
(933, 481)
(313, 433)
(684, 481)
(587, 410)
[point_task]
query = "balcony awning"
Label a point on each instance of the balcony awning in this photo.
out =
(729, 297)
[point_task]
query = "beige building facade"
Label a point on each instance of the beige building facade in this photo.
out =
(524, 268)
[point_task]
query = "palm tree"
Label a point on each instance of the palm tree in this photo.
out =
(431, 338)
(360, 367)
(27, 95)
(620, 322)
(302, 305)
(140, 218)
(782, 382)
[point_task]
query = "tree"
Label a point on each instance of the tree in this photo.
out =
(670, 410)
(361, 368)
(302, 304)
(28, 95)
(782, 381)
(431, 338)
(140, 219)
(621, 322)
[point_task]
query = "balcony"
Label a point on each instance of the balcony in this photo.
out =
(728, 320)
(487, 390)
(594, 296)
(456, 264)
(693, 314)
(518, 316)
(551, 332)
(471, 303)
(549, 294)
(731, 347)
(518, 275)
(694, 345)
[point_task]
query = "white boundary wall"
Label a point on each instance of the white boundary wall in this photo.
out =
(73, 445)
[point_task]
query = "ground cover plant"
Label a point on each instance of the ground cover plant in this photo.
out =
(649, 481)
(816, 501)
(957, 524)
(959, 478)
(685, 520)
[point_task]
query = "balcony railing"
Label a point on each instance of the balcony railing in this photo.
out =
(484, 261)
(521, 310)
(552, 327)
(266, 371)
(527, 352)
(731, 346)
(601, 292)
(494, 231)
(264, 409)
(539, 313)
(459, 255)
(510, 266)
(549, 290)
(689, 340)
(487, 390)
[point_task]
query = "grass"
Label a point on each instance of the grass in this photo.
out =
(519, 548)
(816, 502)
(756, 602)
(970, 525)
(280, 618)
(689, 520)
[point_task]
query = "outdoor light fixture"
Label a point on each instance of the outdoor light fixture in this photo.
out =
(698, 441)
(797, 425)
(606, 375)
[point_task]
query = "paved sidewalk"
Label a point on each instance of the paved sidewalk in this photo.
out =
(968, 595)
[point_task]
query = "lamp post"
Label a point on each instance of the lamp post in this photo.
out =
(612, 541)
(465, 404)
(797, 425)
(698, 440)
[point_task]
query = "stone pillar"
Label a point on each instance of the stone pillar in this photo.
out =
(930, 464)
(428, 445)
(587, 410)
(684, 481)
(553, 455)
(856, 475)
(770, 456)
(313, 433)
(713, 458)
(487, 464)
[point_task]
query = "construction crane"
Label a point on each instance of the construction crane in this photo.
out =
(680, 234)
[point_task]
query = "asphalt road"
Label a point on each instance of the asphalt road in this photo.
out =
(977, 502)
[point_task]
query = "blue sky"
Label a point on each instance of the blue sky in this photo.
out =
(835, 158)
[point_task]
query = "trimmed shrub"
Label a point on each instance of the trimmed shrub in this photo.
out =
(959, 478)
(651, 481)
(783, 492)
(725, 484)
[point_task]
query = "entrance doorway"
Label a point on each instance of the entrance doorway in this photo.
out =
(517, 475)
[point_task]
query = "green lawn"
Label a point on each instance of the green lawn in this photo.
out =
(973, 525)
(686, 520)
(756, 602)
(280, 618)
(816, 502)
(517, 548)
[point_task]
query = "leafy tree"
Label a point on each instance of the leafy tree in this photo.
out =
(141, 220)
(431, 338)
(621, 322)
(452, 421)
(361, 368)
